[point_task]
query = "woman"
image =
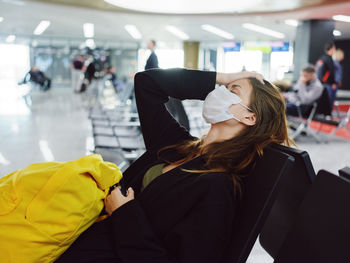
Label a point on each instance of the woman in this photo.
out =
(182, 193)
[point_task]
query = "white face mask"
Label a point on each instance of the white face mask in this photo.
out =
(217, 103)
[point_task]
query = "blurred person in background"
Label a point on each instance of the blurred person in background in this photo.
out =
(35, 75)
(306, 91)
(152, 61)
(325, 70)
(89, 74)
(338, 68)
(77, 70)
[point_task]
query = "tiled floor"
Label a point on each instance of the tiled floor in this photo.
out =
(56, 127)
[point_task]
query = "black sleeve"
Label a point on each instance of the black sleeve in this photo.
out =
(152, 89)
(202, 236)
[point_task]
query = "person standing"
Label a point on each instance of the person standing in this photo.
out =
(89, 74)
(152, 61)
(338, 68)
(326, 72)
(77, 70)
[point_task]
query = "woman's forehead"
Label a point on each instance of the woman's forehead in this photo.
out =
(244, 84)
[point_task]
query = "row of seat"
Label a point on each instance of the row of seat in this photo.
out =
(298, 216)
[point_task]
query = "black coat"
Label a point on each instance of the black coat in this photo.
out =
(152, 61)
(325, 69)
(178, 217)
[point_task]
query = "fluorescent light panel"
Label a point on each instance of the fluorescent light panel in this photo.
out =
(1, 19)
(336, 33)
(263, 30)
(217, 31)
(10, 38)
(177, 32)
(291, 22)
(133, 31)
(89, 30)
(342, 18)
(43, 25)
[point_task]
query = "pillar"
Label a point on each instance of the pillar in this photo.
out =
(310, 39)
(191, 51)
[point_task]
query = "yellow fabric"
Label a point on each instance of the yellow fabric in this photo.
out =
(46, 206)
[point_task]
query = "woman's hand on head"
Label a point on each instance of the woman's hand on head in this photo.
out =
(227, 78)
(116, 199)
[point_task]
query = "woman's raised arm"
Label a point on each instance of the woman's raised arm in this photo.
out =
(152, 89)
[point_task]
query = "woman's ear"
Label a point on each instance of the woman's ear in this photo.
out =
(249, 119)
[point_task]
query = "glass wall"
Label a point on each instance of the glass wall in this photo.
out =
(14, 62)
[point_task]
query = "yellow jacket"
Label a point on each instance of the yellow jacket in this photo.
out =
(46, 206)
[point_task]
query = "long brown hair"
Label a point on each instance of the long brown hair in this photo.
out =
(237, 155)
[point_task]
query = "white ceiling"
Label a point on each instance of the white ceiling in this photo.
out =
(66, 22)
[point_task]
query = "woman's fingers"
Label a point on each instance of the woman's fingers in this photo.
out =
(226, 78)
(254, 75)
(130, 193)
(116, 199)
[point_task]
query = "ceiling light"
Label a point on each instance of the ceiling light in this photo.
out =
(90, 43)
(43, 25)
(185, 6)
(133, 31)
(263, 30)
(177, 32)
(217, 31)
(342, 18)
(336, 33)
(88, 30)
(1, 19)
(10, 38)
(291, 22)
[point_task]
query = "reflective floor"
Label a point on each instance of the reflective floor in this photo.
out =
(54, 126)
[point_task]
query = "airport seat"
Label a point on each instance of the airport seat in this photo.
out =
(293, 190)
(259, 193)
(321, 230)
(317, 111)
(116, 131)
(345, 173)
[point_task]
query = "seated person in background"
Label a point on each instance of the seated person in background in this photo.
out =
(178, 201)
(305, 92)
(38, 77)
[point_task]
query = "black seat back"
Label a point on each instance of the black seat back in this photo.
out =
(321, 230)
(259, 192)
(345, 173)
(293, 190)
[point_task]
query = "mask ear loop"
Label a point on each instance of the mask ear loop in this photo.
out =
(246, 107)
